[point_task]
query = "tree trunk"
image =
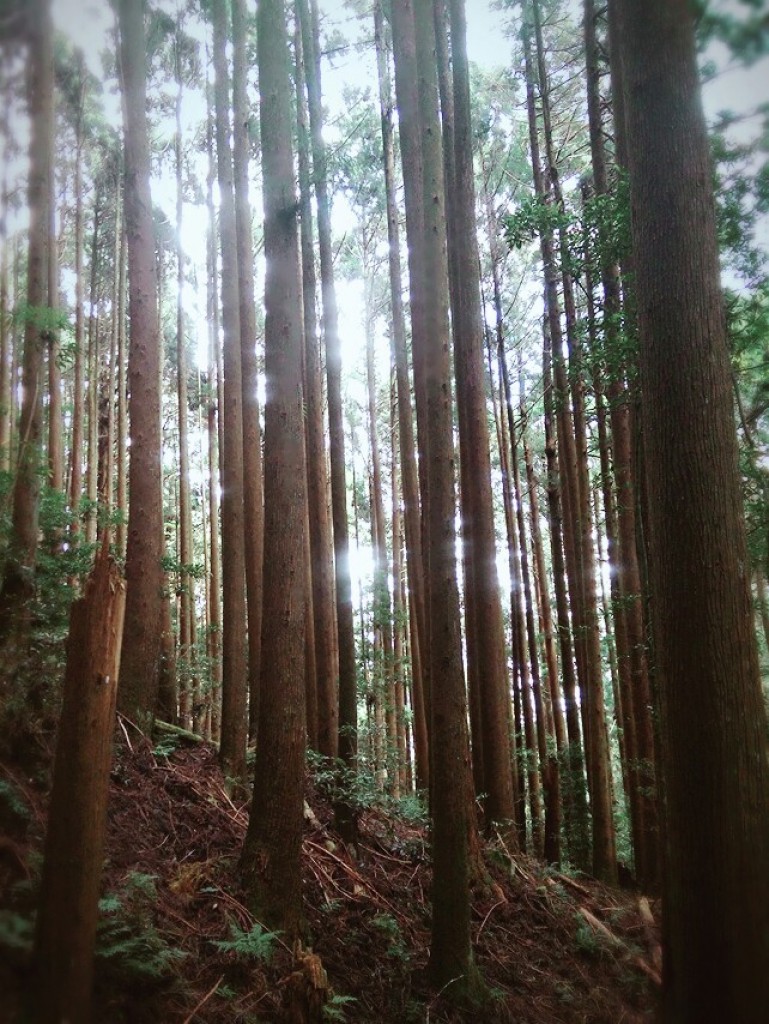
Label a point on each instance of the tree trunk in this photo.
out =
(451, 957)
(143, 618)
(317, 465)
(631, 640)
(410, 480)
(76, 469)
(186, 580)
(17, 588)
(234, 727)
(477, 505)
(715, 757)
(213, 430)
(272, 854)
(406, 91)
(253, 488)
(77, 818)
(348, 709)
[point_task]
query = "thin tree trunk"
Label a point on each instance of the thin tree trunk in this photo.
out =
(17, 589)
(406, 92)
(78, 411)
(186, 580)
(253, 487)
(234, 726)
(638, 711)
(121, 537)
(55, 418)
(348, 711)
(317, 466)
(410, 480)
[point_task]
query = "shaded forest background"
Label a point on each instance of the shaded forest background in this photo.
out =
(405, 460)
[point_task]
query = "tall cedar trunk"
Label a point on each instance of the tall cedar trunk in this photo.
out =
(383, 622)
(572, 766)
(55, 417)
(253, 487)
(477, 504)
(92, 375)
(76, 467)
(77, 820)
(544, 716)
(17, 587)
(348, 710)
(234, 728)
(399, 671)
(5, 331)
(623, 703)
(5, 349)
(523, 675)
(715, 757)
(472, 654)
(321, 550)
(577, 558)
(272, 854)
(121, 534)
(143, 619)
(573, 440)
(213, 429)
(410, 480)
(186, 580)
(406, 93)
(451, 957)
(632, 642)
(111, 371)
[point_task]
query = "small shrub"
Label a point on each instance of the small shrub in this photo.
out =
(256, 944)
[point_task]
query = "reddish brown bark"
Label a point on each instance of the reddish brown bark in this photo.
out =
(715, 756)
(143, 618)
(271, 860)
(77, 818)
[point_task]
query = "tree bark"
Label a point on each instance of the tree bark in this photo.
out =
(715, 756)
(253, 486)
(77, 820)
(234, 725)
(272, 854)
(143, 619)
(451, 957)
(321, 545)
(17, 588)
(348, 708)
(410, 480)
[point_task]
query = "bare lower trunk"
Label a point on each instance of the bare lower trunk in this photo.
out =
(77, 818)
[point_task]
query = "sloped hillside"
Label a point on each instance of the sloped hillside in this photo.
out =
(177, 943)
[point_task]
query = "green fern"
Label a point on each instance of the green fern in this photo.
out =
(16, 932)
(127, 941)
(256, 944)
(334, 1008)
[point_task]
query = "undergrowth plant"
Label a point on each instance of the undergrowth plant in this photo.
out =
(128, 945)
(256, 944)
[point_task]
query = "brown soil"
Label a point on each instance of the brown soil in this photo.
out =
(552, 949)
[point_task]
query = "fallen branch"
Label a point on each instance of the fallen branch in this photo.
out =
(613, 940)
(203, 1001)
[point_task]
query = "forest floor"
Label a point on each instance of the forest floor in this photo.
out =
(177, 944)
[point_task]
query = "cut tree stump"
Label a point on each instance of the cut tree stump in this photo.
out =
(74, 846)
